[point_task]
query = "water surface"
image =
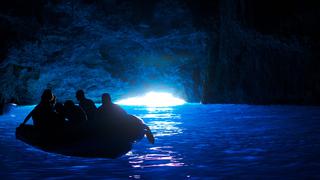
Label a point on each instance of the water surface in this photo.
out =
(192, 141)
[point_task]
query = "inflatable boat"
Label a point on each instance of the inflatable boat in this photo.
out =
(87, 140)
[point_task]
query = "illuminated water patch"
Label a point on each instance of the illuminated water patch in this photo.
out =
(153, 99)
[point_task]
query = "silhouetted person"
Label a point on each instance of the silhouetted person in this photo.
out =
(2, 103)
(43, 114)
(109, 109)
(87, 105)
(60, 118)
(110, 117)
(119, 121)
(73, 113)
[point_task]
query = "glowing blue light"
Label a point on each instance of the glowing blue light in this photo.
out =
(153, 99)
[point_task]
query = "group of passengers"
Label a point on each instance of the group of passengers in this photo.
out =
(49, 114)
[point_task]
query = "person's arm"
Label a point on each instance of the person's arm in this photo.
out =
(27, 118)
(149, 134)
(93, 105)
(83, 114)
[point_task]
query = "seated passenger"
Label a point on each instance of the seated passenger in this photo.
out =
(87, 105)
(110, 115)
(60, 118)
(109, 109)
(43, 114)
(73, 113)
(119, 121)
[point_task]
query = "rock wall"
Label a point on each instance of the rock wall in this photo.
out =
(230, 51)
(105, 46)
(263, 62)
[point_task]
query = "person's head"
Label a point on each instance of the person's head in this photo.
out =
(47, 96)
(80, 95)
(59, 107)
(106, 99)
(68, 104)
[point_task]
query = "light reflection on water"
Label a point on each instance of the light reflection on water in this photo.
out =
(158, 157)
(163, 122)
(161, 128)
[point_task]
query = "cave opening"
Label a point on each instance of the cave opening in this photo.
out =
(153, 99)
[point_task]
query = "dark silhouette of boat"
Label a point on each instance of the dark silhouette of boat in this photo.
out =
(87, 140)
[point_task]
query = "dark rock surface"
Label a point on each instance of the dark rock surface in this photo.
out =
(231, 51)
(264, 53)
(97, 47)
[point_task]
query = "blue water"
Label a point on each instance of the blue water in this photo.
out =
(192, 141)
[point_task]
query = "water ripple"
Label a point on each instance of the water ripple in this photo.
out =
(192, 141)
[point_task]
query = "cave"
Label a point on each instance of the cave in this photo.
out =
(250, 66)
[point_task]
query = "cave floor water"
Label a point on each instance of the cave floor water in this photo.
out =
(192, 141)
